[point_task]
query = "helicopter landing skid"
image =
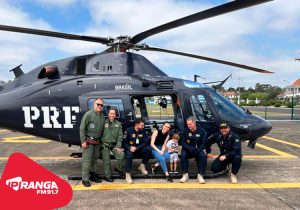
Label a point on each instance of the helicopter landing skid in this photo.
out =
(157, 176)
(252, 143)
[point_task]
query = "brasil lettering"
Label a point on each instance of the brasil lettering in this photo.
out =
(123, 87)
(41, 187)
(50, 115)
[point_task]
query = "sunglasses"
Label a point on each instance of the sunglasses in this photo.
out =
(100, 105)
(223, 128)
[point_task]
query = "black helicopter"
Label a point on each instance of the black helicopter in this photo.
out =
(50, 100)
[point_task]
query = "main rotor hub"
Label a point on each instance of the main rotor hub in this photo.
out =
(123, 43)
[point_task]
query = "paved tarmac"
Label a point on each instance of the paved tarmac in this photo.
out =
(269, 177)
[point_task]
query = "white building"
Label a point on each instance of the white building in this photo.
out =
(230, 94)
(293, 90)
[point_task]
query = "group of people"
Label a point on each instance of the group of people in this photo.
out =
(98, 134)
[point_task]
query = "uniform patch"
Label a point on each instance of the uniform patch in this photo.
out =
(188, 141)
(131, 142)
(116, 125)
(197, 135)
(140, 135)
(133, 135)
(190, 134)
(106, 125)
(237, 140)
(92, 125)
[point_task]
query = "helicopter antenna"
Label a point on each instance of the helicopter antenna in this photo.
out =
(17, 71)
(217, 87)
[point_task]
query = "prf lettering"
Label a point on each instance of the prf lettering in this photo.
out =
(50, 115)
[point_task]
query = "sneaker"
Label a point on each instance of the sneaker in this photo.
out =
(128, 178)
(171, 172)
(200, 179)
(185, 178)
(154, 168)
(95, 178)
(175, 172)
(233, 178)
(142, 168)
(86, 183)
(169, 178)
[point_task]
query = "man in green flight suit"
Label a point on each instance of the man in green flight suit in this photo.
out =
(112, 141)
(91, 128)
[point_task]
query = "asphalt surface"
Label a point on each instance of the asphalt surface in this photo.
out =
(269, 177)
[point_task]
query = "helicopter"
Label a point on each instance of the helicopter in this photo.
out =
(50, 100)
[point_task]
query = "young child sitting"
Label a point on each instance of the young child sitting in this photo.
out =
(172, 147)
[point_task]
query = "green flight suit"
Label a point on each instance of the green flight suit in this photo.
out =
(112, 138)
(91, 126)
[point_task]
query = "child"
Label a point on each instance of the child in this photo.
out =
(172, 147)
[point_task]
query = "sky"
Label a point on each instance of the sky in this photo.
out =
(264, 36)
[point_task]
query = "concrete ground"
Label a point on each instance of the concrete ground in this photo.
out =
(269, 177)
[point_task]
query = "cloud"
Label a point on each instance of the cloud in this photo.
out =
(57, 3)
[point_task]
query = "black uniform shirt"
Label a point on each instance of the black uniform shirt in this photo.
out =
(135, 138)
(194, 140)
(229, 145)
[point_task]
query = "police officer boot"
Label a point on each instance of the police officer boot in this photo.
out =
(142, 168)
(86, 183)
(185, 178)
(94, 177)
(128, 178)
(233, 178)
(200, 179)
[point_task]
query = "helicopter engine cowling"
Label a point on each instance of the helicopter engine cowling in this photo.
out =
(50, 72)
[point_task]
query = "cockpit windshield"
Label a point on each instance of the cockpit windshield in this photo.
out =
(227, 110)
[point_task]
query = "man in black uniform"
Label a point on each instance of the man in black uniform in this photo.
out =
(194, 142)
(230, 149)
(136, 143)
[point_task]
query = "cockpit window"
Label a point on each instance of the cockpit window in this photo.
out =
(226, 109)
(200, 108)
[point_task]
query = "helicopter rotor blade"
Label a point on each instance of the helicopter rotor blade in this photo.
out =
(205, 58)
(101, 40)
(212, 12)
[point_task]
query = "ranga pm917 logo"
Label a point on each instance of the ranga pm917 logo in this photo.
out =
(41, 187)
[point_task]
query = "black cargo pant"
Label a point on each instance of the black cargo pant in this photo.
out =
(144, 152)
(199, 156)
(219, 165)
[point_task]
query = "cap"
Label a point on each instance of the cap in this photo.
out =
(224, 125)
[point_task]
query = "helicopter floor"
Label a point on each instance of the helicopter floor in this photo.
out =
(268, 179)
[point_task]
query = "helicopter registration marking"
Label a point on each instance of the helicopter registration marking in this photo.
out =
(50, 115)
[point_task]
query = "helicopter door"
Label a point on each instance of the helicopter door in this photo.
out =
(156, 109)
(202, 112)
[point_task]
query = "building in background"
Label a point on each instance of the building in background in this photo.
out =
(293, 90)
(230, 94)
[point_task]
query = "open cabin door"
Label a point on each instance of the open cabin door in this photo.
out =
(156, 109)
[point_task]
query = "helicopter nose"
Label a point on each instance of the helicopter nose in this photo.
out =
(260, 127)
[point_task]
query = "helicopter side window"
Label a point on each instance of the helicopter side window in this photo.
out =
(227, 110)
(201, 109)
(109, 103)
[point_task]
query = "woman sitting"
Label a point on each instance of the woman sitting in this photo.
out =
(159, 140)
